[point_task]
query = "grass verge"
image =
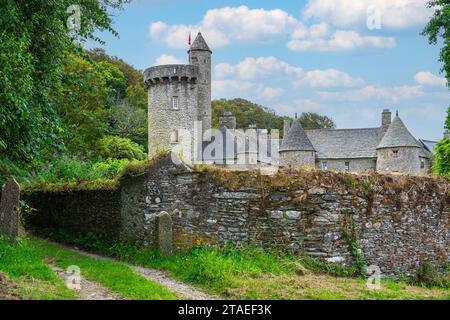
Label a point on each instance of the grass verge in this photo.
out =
(24, 264)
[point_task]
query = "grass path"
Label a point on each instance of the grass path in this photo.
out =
(26, 264)
(183, 290)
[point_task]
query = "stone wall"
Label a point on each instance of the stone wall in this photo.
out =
(298, 159)
(407, 161)
(400, 221)
(356, 165)
(78, 213)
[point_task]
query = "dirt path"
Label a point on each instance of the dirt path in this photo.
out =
(183, 290)
(89, 290)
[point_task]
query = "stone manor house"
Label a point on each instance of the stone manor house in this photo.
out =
(180, 99)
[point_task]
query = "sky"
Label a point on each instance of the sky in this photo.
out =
(345, 59)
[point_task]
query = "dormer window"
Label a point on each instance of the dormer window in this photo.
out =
(395, 154)
(175, 103)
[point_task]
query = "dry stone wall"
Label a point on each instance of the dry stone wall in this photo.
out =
(399, 221)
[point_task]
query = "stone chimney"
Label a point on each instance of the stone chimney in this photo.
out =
(227, 121)
(286, 126)
(386, 118)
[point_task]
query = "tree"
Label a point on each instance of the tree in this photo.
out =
(439, 27)
(310, 120)
(120, 148)
(35, 38)
(81, 105)
(442, 158)
(115, 80)
(130, 121)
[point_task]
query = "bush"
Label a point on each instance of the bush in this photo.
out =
(442, 158)
(67, 169)
(9, 169)
(428, 276)
(120, 148)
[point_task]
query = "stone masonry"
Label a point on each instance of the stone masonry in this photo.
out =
(401, 221)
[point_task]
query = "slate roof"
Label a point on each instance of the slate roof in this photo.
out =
(428, 145)
(200, 43)
(398, 135)
(296, 139)
(345, 143)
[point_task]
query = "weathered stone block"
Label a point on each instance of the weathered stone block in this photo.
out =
(164, 233)
(10, 210)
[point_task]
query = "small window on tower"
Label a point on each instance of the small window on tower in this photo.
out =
(175, 103)
(395, 154)
(174, 136)
(422, 164)
(347, 166)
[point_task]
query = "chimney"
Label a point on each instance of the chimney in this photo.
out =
(286, 126)
(228, 121)
(386, 118)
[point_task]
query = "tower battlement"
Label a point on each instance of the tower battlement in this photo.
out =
(170, 73)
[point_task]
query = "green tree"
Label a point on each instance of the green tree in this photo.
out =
(130, 121)
(442, 158)
(134, 76)
(34, 39)
(119, 148)
(439, 27)
(81, 105)
(115, 80)
(310, 120)
(137, 96)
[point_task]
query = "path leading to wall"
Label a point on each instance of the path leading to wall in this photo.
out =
(89, 290)
(183, 290)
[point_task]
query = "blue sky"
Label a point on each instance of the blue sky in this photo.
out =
(343, 58)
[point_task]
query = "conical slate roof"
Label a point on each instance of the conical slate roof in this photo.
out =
(200, 43)
(397, 135)
(296, 139)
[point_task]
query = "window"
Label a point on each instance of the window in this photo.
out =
(422, 164)
(175, 103)
(395, 154)
(324, 165)
(174, 136)
(347, 166)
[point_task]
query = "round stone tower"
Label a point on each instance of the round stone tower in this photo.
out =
(178, 96)
(398, 150)
(296, 150)
(200, 55)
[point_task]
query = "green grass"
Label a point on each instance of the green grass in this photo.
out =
(250, 273)
(25, 261)
(25, 267)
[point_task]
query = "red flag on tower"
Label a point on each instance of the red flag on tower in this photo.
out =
(189, 39)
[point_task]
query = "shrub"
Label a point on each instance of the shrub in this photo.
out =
(428, 276)
(120, 148)
(442, 159)
(71, 169)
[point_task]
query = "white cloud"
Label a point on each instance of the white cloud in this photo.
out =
(396, 14)
(167, 59)
(341, 41)
(370, 93)
(257, 68)
(429, 79)
(232, 88)
(328, 78)
(270, 93)
(230, 24)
